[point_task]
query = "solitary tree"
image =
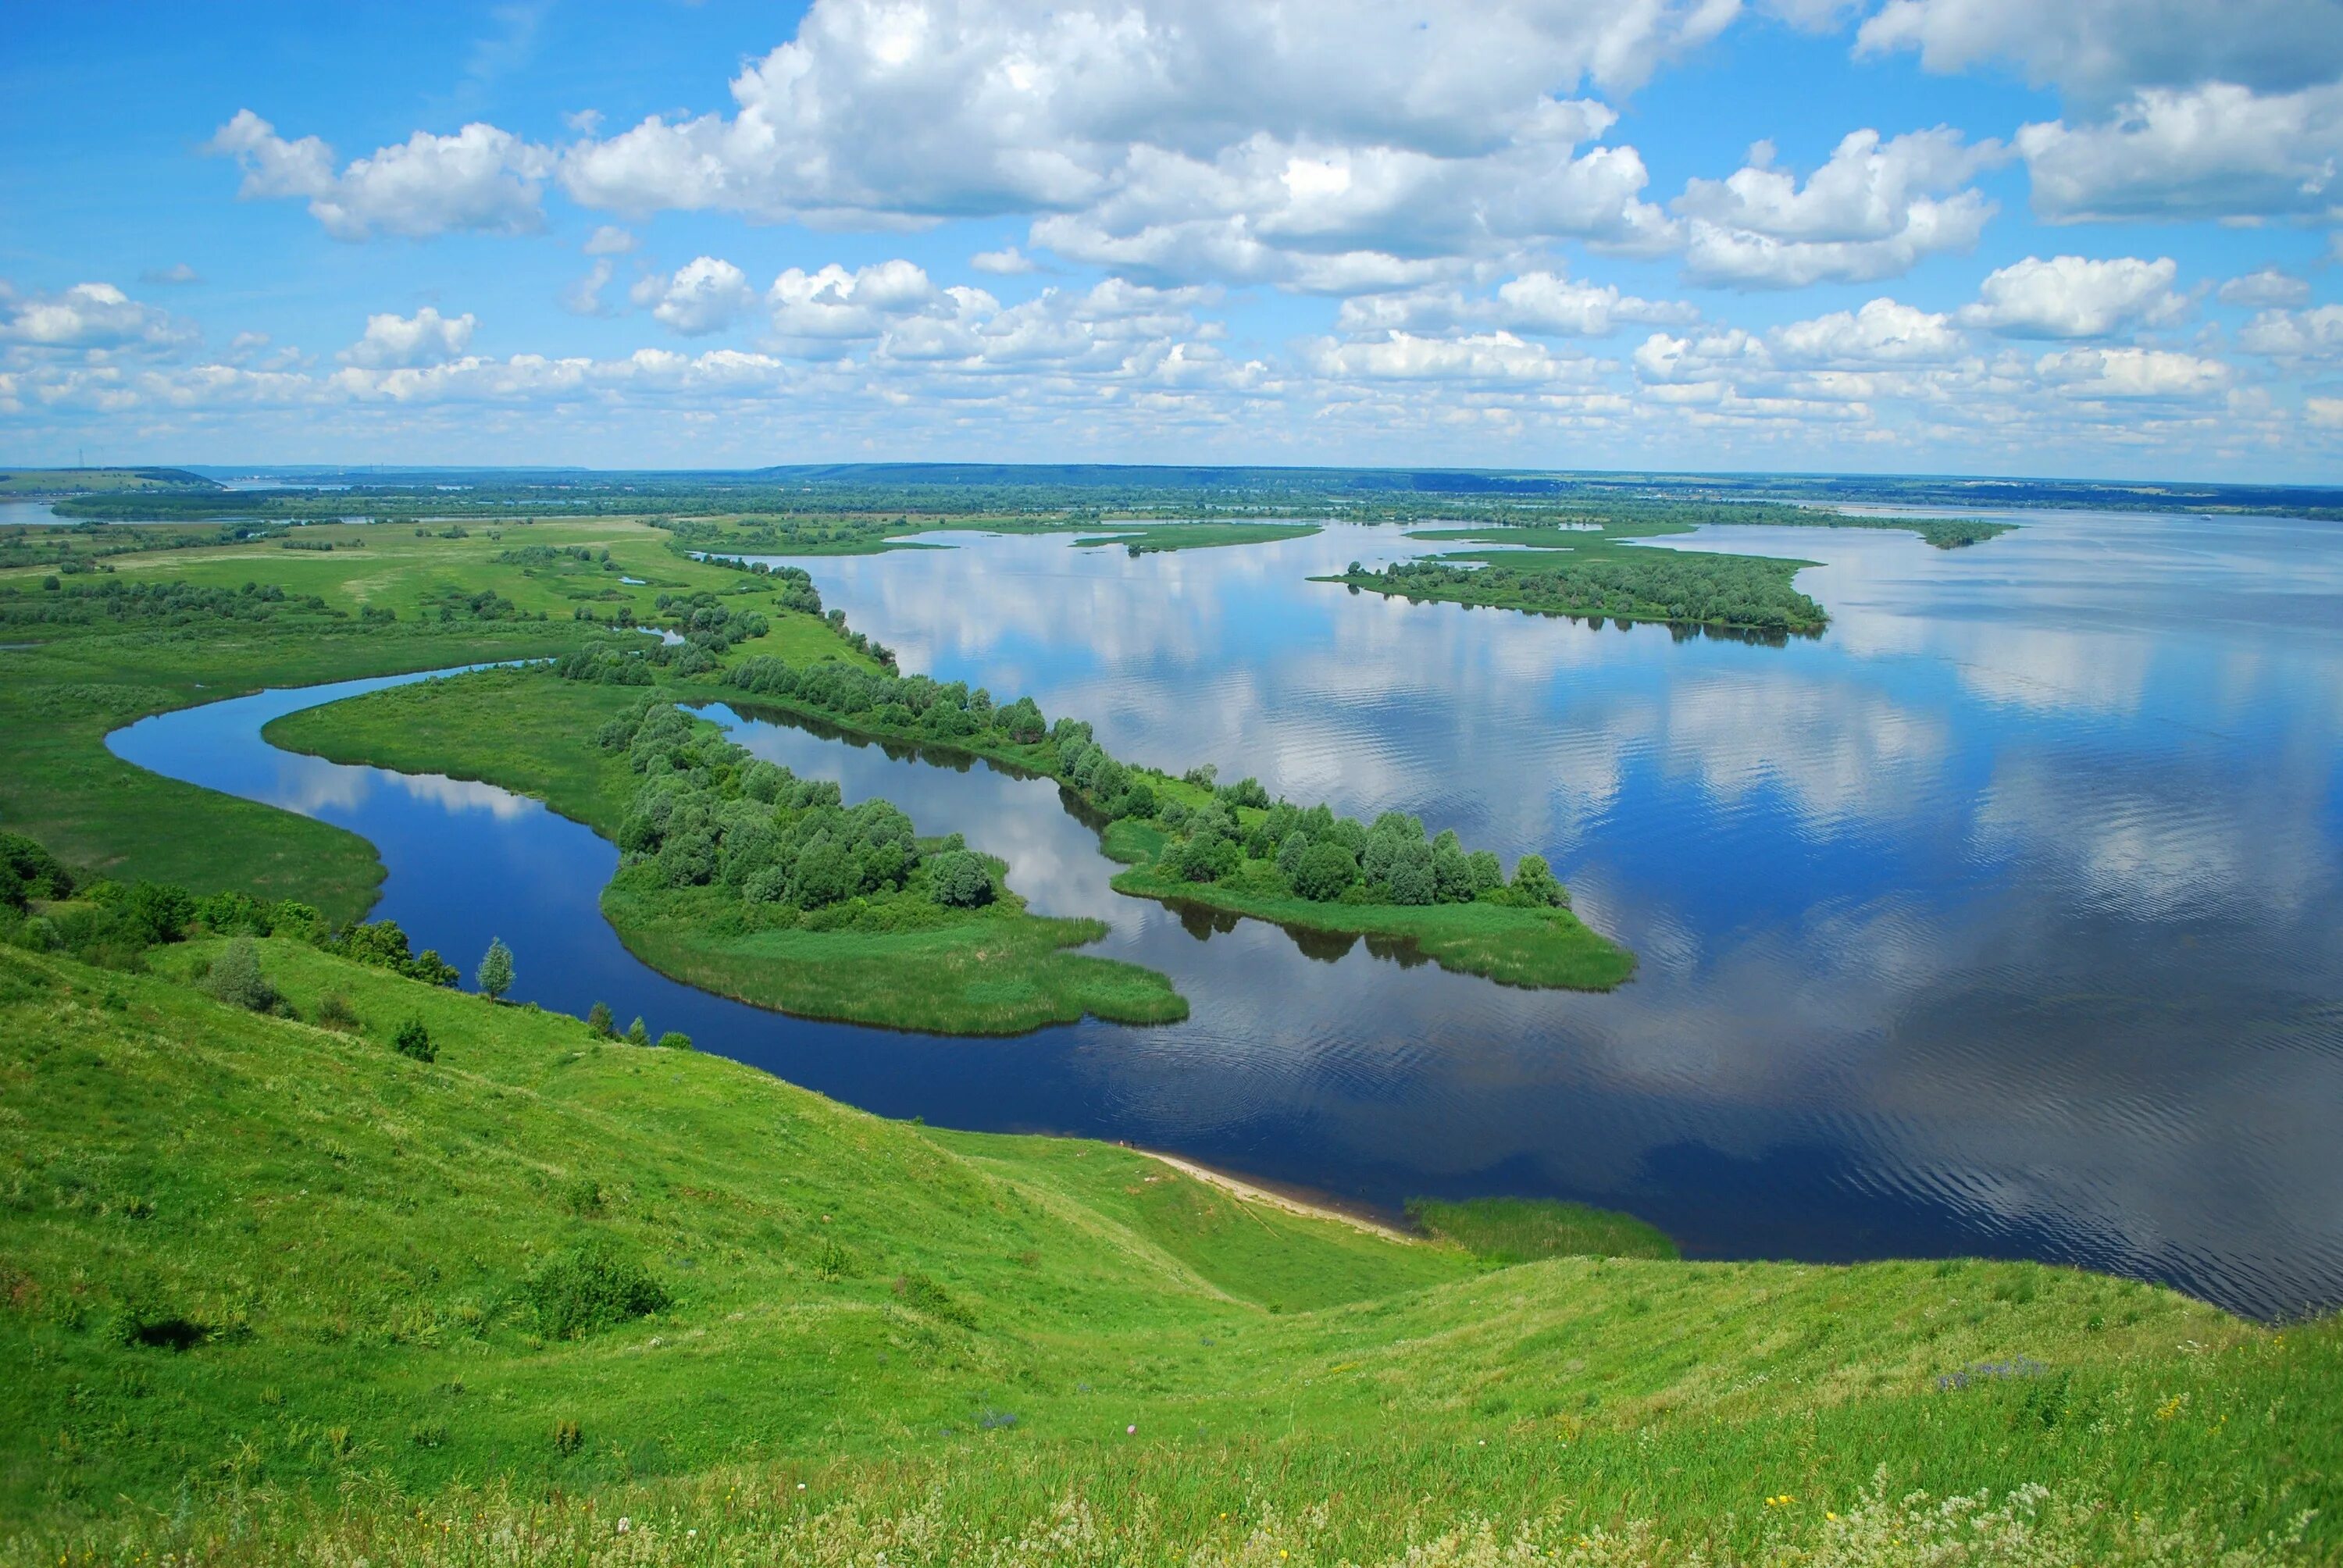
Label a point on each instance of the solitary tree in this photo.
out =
(495, 976)
(600, 1021)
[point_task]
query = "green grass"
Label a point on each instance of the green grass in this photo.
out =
(863, 1306)
(1522, 947)
(61, 696)
(1521, 1230)
(997, 971)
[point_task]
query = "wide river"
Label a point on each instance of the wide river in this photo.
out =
(2001, 919)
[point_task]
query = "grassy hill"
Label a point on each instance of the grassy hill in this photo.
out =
(274, 1291)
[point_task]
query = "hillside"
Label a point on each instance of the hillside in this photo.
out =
(276, 1291)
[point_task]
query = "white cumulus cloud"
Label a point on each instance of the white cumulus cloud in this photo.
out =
(2073, 297)
(706, 294)
(479, 178)
(2216, 149)
(2110, 47)
(427, 337)
(89, 315)
(1873, 211)
(2266, 286)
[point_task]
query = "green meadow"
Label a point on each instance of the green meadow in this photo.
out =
(278, 1293)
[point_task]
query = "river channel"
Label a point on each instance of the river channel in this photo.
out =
(2000, 918)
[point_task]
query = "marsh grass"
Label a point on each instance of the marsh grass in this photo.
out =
(1524, 1230)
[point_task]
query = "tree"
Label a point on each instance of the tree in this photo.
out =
(414, 1040)
(675, 1039)
(495, 975)
(599, 1020)
(636, 1034)
(1534, 884)
(959, 879)
(1325, 873)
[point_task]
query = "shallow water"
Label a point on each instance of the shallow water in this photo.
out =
(1998, 919)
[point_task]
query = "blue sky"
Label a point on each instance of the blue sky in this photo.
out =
(2099, 238)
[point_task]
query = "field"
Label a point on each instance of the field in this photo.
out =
(64, 685)
(274, 1291)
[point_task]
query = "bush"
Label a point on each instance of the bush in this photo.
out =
(27, 872)
(959, 879)
(414, 1040)
(589, 1288)
(235, 979)
(334, 1012)
(1325, 873)
(675, 1039)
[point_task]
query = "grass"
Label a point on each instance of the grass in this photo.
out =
(1521, 1230)
(1000, 970)
(1546, 949)
(966, 1347)
(64, 692)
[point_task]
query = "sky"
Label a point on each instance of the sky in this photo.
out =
(2094, 239)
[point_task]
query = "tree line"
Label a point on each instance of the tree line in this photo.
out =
(1236, 836)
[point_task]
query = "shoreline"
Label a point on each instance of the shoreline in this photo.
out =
(1250, 1191)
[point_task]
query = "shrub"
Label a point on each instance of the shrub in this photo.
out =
(568, 1437)
(959, 879)
(235, 979)
(589, 1288)
(415, 1041)
(334, 1012)
(28, 872)
(675, 1039)
(1325, 872)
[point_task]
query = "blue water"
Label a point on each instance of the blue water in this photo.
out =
(2000, 918)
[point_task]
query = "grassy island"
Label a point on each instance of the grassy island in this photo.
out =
(1192, 840)
(738, 878)
(334, 1264)
(1589, 567)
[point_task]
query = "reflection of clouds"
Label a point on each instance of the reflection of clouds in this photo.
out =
(461, 794)
(2161, 843)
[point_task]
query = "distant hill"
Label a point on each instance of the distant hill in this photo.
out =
(81, 481)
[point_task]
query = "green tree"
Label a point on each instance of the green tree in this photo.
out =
(599, 1020)
(495, 975)
(1534, 884)
(1325, 873)
(636, 1034)
(675, 1039)
(959, 879)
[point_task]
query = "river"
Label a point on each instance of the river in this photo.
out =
(2000, 918)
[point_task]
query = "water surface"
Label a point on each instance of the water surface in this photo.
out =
(1998, 919)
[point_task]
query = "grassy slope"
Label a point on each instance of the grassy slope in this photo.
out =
(1002, 971)
(855, 1297)
(58, 701)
